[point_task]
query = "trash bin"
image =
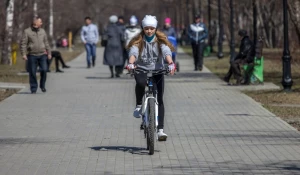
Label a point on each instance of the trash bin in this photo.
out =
(255, 71)
(207, 51)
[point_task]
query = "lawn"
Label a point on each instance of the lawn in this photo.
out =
(10, 73)
(283, 104)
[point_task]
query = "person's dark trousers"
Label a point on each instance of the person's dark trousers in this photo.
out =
(57, 56)
(141, 82)
(198, 49)
(228, 75)
(90, 54)
(117, 69)
(125, 57)
(247, 79)
(33, 62)
(235, 65)
(49, 61)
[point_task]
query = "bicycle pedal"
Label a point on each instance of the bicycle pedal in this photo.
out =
(162, 139)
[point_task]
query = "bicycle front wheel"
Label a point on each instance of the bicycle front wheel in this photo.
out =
(151, 127)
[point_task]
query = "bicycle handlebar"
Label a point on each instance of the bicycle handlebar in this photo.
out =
(154, 72)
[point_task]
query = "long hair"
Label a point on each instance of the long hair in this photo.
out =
(161, 38)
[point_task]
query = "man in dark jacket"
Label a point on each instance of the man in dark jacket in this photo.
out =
(245, 55)
(198, 33)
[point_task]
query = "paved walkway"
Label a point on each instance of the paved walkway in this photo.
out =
(84, 125)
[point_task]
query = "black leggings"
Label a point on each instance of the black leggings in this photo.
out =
(58, 57)
(198, 54)
(141, 82)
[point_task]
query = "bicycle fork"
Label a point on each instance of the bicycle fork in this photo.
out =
(145, 113)
(156, 118)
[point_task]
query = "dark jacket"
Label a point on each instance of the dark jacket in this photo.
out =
(113, 53)
(170, 31)
(198, 32)
(246, 51)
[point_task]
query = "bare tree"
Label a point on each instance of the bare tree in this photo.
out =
(6, 49)
(294, 11)
(69, 15)
(51, 24)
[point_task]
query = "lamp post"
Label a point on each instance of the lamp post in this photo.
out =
(187, 17)
(287, 81)
(220, 40)
(209, 27)
(232, 43)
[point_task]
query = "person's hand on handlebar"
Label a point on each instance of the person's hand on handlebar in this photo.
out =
(130, 66)
(172, 68)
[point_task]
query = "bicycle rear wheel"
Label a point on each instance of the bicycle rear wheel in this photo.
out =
(151, 126)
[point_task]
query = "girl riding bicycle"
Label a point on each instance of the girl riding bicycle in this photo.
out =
(148, 51)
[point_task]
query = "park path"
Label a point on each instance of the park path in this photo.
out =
(84, 125)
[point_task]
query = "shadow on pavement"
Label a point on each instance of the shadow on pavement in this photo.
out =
(248, 115)
(109, 78)
(18, 141)
(132, 150)
(205, 75)
(80, 67)
(23, 93)
(238, 167)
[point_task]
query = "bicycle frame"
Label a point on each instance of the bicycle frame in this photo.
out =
(148, 95)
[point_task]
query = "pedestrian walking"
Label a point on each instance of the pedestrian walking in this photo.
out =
(90, 38)
(121, 24)
(113, 53)
(198, 33)
(35, 50)
(168, 29)
(132, 30)
(245, 55)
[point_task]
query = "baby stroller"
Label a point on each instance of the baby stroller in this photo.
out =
(174, 43)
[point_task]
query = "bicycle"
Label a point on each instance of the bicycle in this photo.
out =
(149, 110)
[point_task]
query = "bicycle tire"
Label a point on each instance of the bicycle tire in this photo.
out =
(148, 142)
(151, 127)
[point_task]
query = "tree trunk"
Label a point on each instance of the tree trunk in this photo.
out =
(51, 24)
(295, 16)
(35, 8)
(6, 49)
(261, 21)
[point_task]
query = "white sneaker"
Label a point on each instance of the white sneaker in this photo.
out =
(136, 112)
(161, 135)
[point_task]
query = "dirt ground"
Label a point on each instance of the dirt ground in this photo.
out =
(4, 93)
(10, 73)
